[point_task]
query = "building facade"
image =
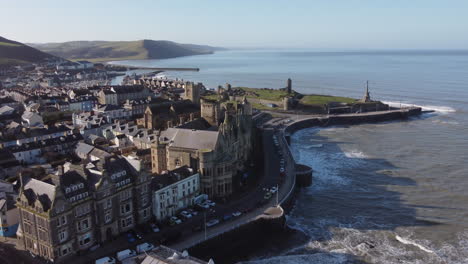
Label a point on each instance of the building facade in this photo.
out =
(174, 191)
(81, 206)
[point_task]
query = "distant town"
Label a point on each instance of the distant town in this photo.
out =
(150, 170)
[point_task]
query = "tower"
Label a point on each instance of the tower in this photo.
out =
(289, 86)
(366, 97)
(192, 92)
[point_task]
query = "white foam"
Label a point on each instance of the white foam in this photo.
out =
(409, 242)
(437, 108)
(353, 154)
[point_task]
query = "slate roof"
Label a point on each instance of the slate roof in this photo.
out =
(39, 190)
(190, 139)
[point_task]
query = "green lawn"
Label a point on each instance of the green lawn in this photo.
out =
(324, 99)
(270, 94)
(9, 44)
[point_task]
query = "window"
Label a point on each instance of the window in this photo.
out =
(108, 204)
(63, 220)
(85, 239)
(67, 190)
(126, 222)
(107, 217)
(63, 235)
(125, 208)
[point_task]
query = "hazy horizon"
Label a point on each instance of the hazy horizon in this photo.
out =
(353, 24)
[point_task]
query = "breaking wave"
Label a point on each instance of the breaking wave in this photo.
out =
(436, 108)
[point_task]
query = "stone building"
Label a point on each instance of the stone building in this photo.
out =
(82, 205)
(217, 153)
(192, 92)
(169, 114)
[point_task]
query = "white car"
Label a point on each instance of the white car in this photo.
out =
(210, 203)
(155, 228)
(185, 214)
(144, 247)
(125, 254)
(236, 214)
(175, 220)
(273, 189)
(192, 212)
(105, 260)
(212, 222)
(281, 169)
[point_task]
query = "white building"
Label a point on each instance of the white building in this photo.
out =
(9, 217)
(175, 191)
(32, 119)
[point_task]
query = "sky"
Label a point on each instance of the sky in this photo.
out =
(321, 24)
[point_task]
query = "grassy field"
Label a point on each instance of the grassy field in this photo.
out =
(9, 44)
(272, 95)
(324, 99)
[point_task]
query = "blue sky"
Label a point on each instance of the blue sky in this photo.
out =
(322, 24)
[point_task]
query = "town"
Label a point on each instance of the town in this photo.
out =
(87, 166)
(150, 169)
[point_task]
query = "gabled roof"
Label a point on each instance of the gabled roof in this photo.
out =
(190, 139)
(39, 190)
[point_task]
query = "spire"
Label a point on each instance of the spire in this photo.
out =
(366, 97)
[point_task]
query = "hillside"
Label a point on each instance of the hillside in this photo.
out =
(13, 53)
(122, 50)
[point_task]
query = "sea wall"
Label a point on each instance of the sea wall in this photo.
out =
(237, 244)
(353, 119)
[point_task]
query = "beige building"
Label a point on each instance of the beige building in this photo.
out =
(218, 153)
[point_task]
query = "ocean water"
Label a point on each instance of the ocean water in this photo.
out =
(394, 192)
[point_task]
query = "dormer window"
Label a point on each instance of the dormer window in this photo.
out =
(67, 190)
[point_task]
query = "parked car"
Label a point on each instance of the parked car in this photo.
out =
(210, 203)
(130, 237)
(236, 214)
(212, 222)
(125, 254)
(185, 214)
(274, 189)
(155, 228)
(144, 247)
(192, 212)
(203, 206)
(175, 221)
(105, 260)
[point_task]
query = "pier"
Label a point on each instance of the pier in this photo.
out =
(157, 68)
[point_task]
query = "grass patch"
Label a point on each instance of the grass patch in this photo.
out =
(325, 99)
(266, 94)
(9, 44)
(210, 97)
(262, 107)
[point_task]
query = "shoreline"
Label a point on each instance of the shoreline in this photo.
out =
(277, 231)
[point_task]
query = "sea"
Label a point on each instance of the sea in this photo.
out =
(394, 192)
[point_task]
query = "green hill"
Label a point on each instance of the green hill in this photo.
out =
(13, 53)
(122, 50)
